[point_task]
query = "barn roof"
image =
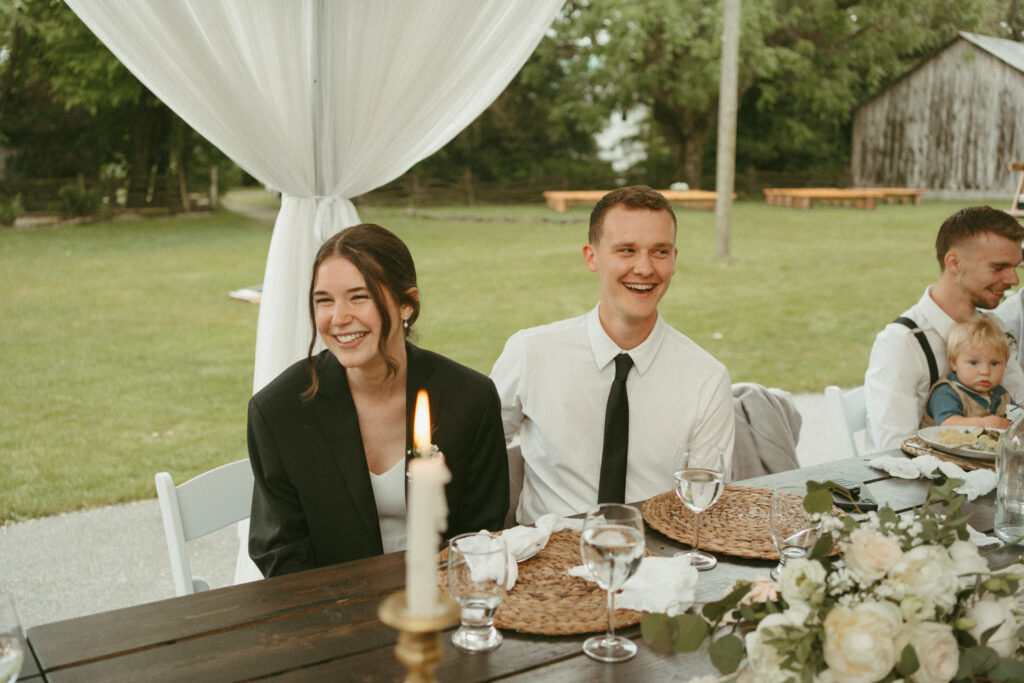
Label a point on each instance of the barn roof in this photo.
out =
(1009, 51)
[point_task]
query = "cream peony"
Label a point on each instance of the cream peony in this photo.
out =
(936, 648)
(801, 580)
(860, 643)
(869, 555)
(763, 660)
(926, 571)
(988, 613)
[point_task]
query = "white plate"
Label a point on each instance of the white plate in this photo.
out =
(930, 435)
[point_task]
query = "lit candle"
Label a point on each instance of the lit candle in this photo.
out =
(427, 515)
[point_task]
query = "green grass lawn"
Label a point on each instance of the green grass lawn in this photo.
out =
(121, 354)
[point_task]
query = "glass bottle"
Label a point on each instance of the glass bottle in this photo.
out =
(1009, 508)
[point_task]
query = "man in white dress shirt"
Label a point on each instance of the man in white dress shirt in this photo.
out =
(978, 249)
(554, 380)
(1011, 313)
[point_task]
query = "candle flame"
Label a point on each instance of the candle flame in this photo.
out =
(421, 423)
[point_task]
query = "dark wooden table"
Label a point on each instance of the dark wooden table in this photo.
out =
(323, 625)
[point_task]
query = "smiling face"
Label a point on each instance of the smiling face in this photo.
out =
(635, 258)
(984, 267)
(979, 368)
(348, 320)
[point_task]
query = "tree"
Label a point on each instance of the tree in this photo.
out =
(68, 107)
(805, 65)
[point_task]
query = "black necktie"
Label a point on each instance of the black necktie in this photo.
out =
(612, 488)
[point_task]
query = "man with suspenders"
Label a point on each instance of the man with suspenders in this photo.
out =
(979, 250)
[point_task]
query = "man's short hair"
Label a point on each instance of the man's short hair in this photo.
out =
(974, 220)
(633, 197)
(980, 331)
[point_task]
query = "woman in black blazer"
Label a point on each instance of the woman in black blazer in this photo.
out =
(330, 437)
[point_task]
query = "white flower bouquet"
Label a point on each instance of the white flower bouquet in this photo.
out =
(879, 598)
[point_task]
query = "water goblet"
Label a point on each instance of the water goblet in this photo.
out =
(699, 484)
(793, 529)
(12, 641)
(477, 569)
(612, 545)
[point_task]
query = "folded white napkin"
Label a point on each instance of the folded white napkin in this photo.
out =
(660, 584)
(522, 542)
(976, 482)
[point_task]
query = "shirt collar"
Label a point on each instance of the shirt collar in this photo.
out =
(605, 349)
(939, 319)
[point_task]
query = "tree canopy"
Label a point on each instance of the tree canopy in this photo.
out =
(68, 108)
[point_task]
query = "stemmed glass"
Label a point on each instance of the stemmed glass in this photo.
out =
(12, 641)
(794, 532)
(612, 545)
(477, 566)
(699, 484)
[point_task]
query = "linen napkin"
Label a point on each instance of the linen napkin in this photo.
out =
(976, 482)
(660, 584)
(523, 542)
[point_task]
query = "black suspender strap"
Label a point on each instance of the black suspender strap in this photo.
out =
(933, 368)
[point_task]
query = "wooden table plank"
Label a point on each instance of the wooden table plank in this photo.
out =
(106, 634)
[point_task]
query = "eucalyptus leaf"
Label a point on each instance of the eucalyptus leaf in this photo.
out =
(908, 663)
(657, 632)
(977, 660)
(690, 632)
(726, 653)
(1007, 670)
(818, 501)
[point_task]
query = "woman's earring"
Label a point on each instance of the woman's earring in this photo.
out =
(405, 323)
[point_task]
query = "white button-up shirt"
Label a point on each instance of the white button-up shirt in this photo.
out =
(897, 382)
(554, 380)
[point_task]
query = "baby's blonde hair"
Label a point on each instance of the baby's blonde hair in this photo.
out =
(981, 331)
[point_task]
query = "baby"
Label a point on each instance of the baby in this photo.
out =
(971, 395)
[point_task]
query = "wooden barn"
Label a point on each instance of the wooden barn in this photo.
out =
(953, 124)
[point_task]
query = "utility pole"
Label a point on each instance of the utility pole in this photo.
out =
(725, 172)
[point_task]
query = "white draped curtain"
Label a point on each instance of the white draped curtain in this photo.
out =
(323, 100)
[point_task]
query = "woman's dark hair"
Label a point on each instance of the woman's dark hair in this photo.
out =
(386, 264)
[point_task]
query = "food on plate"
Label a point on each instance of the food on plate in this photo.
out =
(977, 439)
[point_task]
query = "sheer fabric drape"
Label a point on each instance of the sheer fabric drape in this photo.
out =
(323, 100)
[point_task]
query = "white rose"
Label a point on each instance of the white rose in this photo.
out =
(936, 648)
(988, 613)
(869, 555)
(801, 579)
(927, 571)
(860, 643)
(917, 608)
(967, 562)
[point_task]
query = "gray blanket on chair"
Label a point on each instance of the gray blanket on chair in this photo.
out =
(767, 431)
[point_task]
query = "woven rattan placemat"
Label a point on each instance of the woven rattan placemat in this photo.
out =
(736, 525)
(546, 601)
(917, 446)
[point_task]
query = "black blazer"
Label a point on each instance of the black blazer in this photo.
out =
(313, 503)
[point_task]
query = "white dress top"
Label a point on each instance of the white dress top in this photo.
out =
(389, 493)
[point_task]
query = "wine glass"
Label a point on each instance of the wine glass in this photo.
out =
(612, 545)
(12, 641)
(794, 531)
(699, 484)
(477, 568)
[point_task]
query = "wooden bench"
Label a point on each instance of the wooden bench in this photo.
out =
(859, 197)
(1015, 207)
(560, 200)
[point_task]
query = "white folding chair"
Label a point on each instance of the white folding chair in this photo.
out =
(848, 416)
(200, 506)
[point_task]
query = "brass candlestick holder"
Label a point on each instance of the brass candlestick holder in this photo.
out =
(419, 637)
